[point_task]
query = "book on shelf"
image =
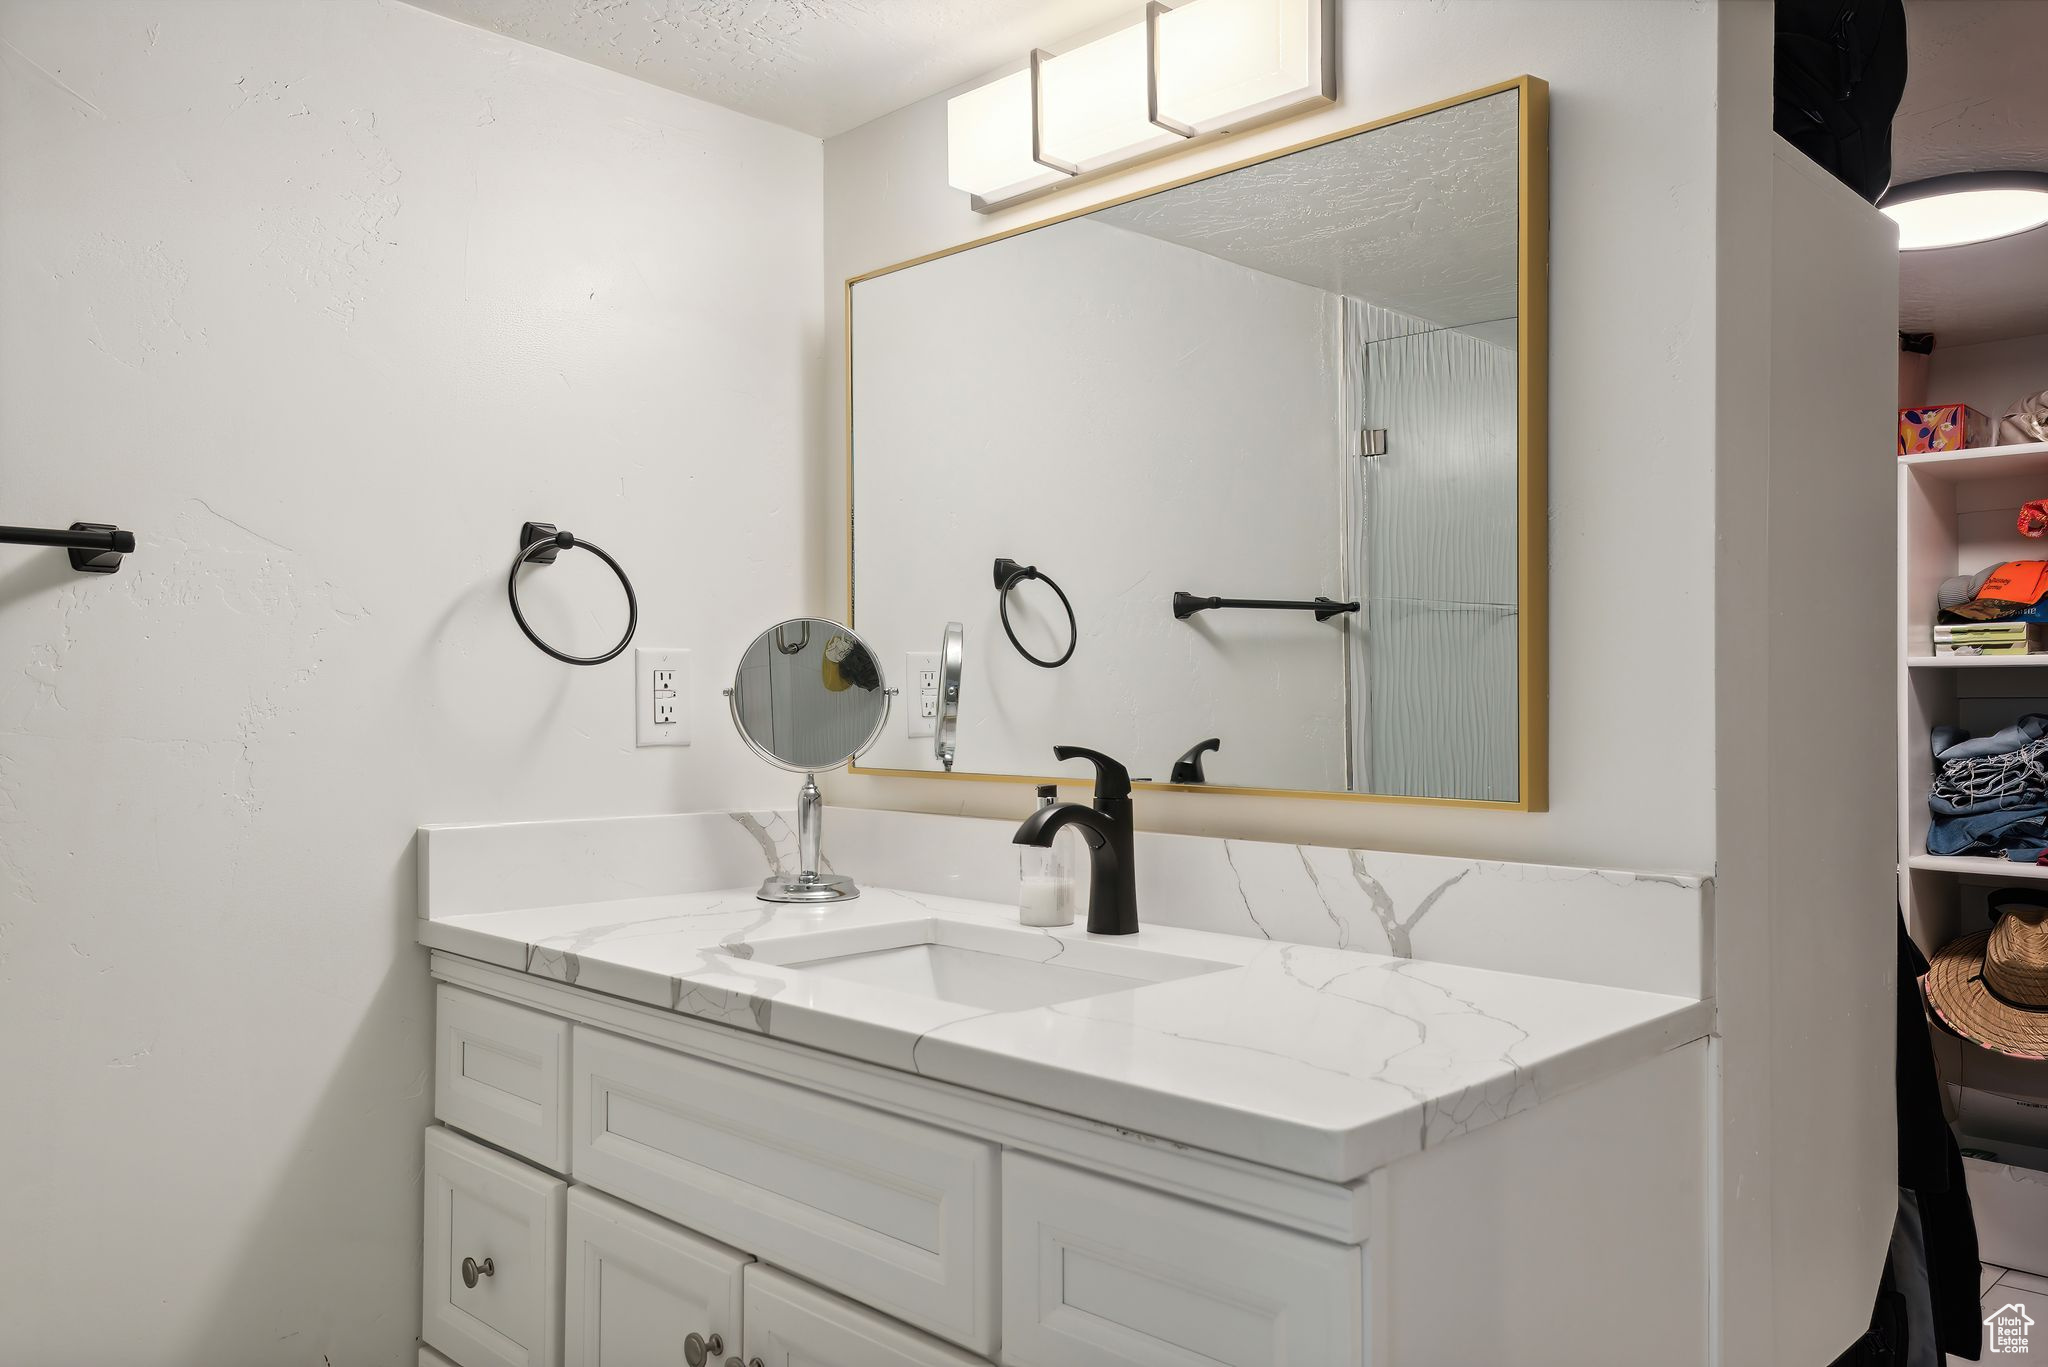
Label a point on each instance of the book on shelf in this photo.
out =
(1987, 648)
(1992, 633)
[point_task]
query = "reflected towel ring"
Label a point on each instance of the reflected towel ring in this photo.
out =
(539, 542)
(1009, 574)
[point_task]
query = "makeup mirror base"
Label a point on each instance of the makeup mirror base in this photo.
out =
(808, 887)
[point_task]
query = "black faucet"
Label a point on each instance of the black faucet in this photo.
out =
(1106, 827)
(1188, 768)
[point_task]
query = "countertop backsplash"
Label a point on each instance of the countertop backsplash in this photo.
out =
(1622, 929)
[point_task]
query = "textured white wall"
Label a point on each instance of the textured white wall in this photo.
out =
(1990, 376)
(1632, 247)
(323, 299)
(1135, 417)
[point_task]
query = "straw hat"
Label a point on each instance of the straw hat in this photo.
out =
(1992, 987)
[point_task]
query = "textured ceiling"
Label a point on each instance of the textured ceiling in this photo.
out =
(1418, 216)
(1976, 100)
(819, 66)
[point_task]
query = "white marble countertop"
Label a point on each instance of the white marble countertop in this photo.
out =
(1324, 1062)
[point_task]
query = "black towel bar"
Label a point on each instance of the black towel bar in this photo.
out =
(96, 547)
(1186, 605)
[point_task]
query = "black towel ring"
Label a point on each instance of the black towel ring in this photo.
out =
(1009, 574)
(540, 542)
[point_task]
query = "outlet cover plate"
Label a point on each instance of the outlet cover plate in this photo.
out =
(661, 696)
(921, 696)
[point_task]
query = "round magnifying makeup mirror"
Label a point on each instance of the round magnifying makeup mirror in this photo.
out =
(946, 733)
(809, 695)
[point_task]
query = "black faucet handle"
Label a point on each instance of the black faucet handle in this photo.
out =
(1112, 778)
(1188, 768)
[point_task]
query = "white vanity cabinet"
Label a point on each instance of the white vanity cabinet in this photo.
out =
(709, 1207)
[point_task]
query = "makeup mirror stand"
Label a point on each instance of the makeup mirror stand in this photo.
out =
(809, 885)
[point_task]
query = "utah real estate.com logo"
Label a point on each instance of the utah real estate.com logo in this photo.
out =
(2005, 1329)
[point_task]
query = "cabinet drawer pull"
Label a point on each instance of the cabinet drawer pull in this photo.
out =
(698, 1350)
(472, 1270)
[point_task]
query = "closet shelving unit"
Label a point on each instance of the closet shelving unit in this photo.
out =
(1957, 514)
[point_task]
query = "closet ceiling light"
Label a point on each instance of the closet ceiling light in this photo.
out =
(1183, 71)
(1972, 206)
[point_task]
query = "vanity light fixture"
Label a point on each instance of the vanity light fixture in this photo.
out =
(1198, 69)
(1967, 207)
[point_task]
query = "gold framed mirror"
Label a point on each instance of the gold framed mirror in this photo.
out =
(1275, 433)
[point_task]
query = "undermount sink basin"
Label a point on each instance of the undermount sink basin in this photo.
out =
(984, 966)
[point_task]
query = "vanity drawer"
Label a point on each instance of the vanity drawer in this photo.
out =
(898, 1215)
(1098, 1273)
(501, 1073)
(483, 1206)
(793, 1324)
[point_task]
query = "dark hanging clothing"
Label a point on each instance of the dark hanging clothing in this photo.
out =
(1840, 71)
(1931, 1167)
(1930, 1277)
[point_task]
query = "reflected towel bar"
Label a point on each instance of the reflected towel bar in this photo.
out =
(96, 547)
(1186, 605)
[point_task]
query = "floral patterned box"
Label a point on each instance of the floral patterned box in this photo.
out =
(1943, 427)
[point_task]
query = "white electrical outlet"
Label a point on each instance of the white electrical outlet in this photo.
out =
(661, 697)
(921, 708)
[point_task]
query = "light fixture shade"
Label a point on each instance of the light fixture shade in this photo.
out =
(1207, 66)
(988, 142)
(1970, 206)
(1224, 63)
(1092, 103)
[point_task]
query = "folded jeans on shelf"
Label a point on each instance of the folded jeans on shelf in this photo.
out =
(1990, 793)
(2016, 832)
(1953, 742)
(1942, 805)
(1981, 785)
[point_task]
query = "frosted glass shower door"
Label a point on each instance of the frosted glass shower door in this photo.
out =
(1430, 546)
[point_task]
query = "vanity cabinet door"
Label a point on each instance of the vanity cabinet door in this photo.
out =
(794, 1324)
(1099, 1273)
(638, 1287)
(491, 1267)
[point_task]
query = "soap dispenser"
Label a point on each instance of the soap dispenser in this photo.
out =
(1045, 888)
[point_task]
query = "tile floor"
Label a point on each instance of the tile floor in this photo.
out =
(2002, 1287)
